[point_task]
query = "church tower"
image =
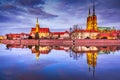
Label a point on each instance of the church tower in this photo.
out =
(89, 21)
(37, 26)
(94, 18)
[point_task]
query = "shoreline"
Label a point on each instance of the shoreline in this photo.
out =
(59, 42)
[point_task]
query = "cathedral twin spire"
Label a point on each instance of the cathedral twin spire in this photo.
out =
(92, 20)
(89, 13)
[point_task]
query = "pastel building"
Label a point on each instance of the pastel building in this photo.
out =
(17, 36)
(60, 35)
(84, 34)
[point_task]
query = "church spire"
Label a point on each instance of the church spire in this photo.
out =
(37, 26)
(93, 7)
(89, 12)
(37, 20)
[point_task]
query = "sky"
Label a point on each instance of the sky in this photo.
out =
(20, 15)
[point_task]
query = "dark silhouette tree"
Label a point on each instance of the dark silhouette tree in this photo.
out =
(36, 35)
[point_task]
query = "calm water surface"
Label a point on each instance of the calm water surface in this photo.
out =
(59, 63)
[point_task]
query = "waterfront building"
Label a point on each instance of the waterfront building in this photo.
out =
(60, 35)
(39, 32)
(84, 34)
(118, 34)
(2, 37)
(92, 30)
(17, 36)
(108, 35)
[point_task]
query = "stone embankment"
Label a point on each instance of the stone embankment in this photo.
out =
(62, 42)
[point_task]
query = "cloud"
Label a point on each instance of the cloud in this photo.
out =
(40, 13)
(10, 10)
(57, 14)
(30, 3)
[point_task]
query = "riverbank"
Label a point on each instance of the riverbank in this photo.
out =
(62, 42)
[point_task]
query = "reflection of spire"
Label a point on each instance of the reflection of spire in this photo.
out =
(93, 71)
(91, 61)
(37, 56)
(89, 68)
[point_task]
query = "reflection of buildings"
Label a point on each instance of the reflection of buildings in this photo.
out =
(92, 60)
(91, 54)
(8, 46)
(84, 49)
(40, 50)
(75, 52)
(65, 48)
(72, 49)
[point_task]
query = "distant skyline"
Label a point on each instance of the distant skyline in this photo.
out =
(20, 15)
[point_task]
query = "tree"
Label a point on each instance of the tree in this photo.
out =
(30, 37)
(36, 35)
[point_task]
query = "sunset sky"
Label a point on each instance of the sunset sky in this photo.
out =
(20, 15)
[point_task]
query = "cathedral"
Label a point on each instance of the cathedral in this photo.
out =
(38, 32)
(92, 20)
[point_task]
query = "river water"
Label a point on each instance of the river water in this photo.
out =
(18, 62)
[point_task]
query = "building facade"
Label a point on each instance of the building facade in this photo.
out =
(60, 35)
(84, 34)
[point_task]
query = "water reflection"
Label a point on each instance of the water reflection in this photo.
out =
(75, 52)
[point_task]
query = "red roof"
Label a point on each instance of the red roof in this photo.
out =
(33, 29)
(41, 30)
(61, 33)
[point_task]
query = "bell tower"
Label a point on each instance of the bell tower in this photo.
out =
(89, 21)
(92, 19)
